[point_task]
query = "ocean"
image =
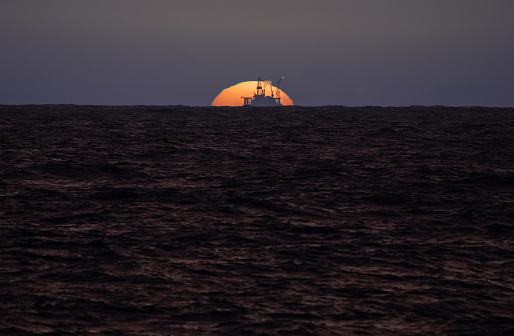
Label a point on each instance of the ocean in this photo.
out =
(178, 220)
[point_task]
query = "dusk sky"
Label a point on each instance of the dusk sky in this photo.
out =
(332, 52)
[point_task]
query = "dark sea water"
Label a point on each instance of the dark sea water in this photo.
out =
(256, 221)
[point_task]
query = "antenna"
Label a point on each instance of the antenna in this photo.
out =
(259, 87)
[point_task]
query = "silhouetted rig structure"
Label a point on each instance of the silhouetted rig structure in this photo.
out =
(260, 99)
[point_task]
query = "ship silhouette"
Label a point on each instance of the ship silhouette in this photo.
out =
(260, 99)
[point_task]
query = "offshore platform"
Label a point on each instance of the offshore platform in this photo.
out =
(260, 99)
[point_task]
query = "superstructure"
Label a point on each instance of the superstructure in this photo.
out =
(259, 97)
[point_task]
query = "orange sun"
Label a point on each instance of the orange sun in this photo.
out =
(231, 96)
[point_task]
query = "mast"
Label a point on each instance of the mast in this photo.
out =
(260, 91)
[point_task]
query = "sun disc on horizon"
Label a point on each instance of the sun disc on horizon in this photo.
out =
(232, 96)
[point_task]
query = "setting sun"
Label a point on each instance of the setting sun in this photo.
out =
(232, 96)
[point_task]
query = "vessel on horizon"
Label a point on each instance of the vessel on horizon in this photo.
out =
(259, 97)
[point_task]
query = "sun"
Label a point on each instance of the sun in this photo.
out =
(231, 96)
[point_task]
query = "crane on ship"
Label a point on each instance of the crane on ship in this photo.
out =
(278, 88)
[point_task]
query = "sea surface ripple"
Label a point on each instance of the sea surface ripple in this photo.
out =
(150, 220)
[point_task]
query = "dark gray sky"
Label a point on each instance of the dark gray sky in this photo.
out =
(332, 52)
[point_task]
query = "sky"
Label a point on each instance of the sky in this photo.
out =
(331, 52)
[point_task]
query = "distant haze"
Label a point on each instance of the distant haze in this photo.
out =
(332, 52)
